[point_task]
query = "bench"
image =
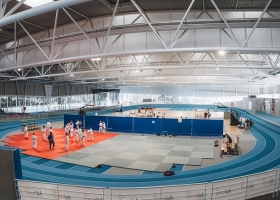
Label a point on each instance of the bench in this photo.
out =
(30, 123)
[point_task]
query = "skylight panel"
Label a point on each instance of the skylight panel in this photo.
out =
(36, 3)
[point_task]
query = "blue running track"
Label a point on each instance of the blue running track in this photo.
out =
(264, 156)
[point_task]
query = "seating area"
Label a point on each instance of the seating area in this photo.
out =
(31, 124)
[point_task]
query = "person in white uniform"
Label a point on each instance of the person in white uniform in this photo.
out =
(48, 126)
(77, 133)
(83, 137)
(104, 127)
(71, 132)
(67, 128)
(25, 132)
(50, 130)
(90, 136)
(34, 141)
(100, 126)
(67, 142)
(44, 133)
(71, 124)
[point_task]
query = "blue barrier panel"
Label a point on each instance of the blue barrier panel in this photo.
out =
(120, 124)
(93, 121)
(147, 125)
(74, 118)
(205, 127)
(173, 127)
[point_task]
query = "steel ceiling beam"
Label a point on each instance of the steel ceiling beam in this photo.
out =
(93, 34)
(151, 51)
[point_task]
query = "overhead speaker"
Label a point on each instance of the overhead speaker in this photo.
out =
(252, 96)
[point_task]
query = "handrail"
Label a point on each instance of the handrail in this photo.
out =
(244, 187)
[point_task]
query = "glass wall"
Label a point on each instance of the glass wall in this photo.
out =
(127, 99)
(16, 104)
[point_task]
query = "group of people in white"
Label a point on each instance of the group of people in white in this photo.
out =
(45, 129)
(78, 133)
(147, 112)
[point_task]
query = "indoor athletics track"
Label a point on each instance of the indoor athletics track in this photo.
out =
(264, 156)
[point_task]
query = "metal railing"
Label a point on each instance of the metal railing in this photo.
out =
(245, 187)
(18, 117)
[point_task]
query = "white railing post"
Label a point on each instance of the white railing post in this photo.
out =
(57, 191)
(246, 188)
(212, 192)
(273, 195)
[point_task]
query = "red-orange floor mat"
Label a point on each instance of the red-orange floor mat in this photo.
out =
(43, 150)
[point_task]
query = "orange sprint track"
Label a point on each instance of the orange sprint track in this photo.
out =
(59, 150)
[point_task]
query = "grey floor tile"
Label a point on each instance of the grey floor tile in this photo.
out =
(109, 142)
(127, 143)
(137, 150)
(96, 159)
(149, 166)
(205, 142)
(176, 160)
(147, 141)
(118, 148)
(89, 150)
(146, 146)
(198, 148)
(129, 155)
(157, 152)
(195, 161)
(183, 148)
(180, 153)
(163, 146)
(162, 167)
(168, 140)
(119, 162)
(151, 158)
(139, 137)
(202, 154)
(157, 138)
(100, 146)
(76, 155)
(109, 153)
(181, 142)
(190, 142)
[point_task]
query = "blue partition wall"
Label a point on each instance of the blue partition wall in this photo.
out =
(204, 127)
(93, 121)
(173, 127)
(188, 127)
(147, 125)
(120, 124)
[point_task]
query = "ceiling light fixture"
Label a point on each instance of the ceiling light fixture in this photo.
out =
(95, 59)
(217, 69)
(103, 79)
(222, 52)
(19, 69)
(71, 75)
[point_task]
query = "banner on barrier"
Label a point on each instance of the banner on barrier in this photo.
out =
(261, 184)
(230, 189)
(136, 194)
(79, 193)
(193, 192)
(36, 191)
